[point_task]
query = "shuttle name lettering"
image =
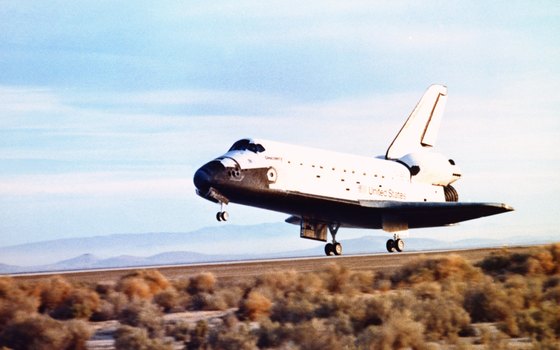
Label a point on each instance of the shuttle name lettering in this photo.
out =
(389, 193)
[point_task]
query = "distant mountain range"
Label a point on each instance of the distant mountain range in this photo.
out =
(216, 244)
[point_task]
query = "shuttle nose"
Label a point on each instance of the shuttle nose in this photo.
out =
(204, 177)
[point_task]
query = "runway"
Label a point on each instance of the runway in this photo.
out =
(246, 269)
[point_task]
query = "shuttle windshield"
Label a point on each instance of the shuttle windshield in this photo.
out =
(244, 145)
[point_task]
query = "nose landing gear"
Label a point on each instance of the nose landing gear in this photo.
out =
(395, 245)
(222, 215)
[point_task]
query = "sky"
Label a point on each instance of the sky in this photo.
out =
(108, 108)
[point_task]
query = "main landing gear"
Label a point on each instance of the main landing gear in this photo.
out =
(395, 245)
(334, 248)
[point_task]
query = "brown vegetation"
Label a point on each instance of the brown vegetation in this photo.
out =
(430, 301)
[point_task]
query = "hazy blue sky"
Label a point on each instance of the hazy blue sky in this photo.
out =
(107, 108)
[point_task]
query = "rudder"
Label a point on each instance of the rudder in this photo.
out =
(421, 128)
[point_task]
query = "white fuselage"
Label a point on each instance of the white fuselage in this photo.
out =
(334, 175)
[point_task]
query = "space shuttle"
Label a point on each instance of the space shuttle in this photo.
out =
(321, 191)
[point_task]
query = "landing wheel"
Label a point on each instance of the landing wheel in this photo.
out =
(337, 248)
(329, 249)
(222, 216)
(391, 246)
(333, 249)
(399, 245)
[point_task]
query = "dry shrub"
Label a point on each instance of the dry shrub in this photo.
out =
(255, 306)
(316, 334)
(15, 303)
(110, 306)
(52, 293)
(43, 333)
(240, 338)
(427, 290)
(80, 303)
(542, 323)
(542, 260)
(362, 281)
(442, 318)
(293, 310)
(523, 292)
(127, 338)
(168, 300)
(488, 302)
(230, 296)
(552, 294)
(400, 331)
(142, 284)
(452, 267)
(198, 336)
(143, 314)
(207, 301)
(337, 279)
(280, 281)
(202, 283)
(271, 334)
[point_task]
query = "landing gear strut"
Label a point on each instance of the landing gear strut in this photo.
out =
(334, 248)
(395, 245)
(222, 215)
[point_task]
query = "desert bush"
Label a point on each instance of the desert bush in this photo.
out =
(317, 334)
(488, 302)
(540, 323)
(292, 309)
(452, 267)
(271, 334)
(442, 318)
(110, 306)
(231, 296)
(254, 306)
(15, 302)
(143, 314)
(399, 331)
(52, 293)
(239, 338)
(427, 290)
(202, 283)
(44, 333)
(493, 338)
(207, 301)
(362, 281)
(127, 337)
(168, 300)
(278, 281)
(198, 336)
(371, 311)
(80, 303)
(337, 279)
(542, 260)
(552, 294)
(142, 284)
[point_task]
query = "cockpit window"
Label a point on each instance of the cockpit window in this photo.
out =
(240, 145)
(243, 145)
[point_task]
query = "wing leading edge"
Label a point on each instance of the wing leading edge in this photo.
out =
(430, 214)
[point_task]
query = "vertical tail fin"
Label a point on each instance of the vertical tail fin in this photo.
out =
(421, 128)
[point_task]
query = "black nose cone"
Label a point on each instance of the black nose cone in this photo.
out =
(205, 177)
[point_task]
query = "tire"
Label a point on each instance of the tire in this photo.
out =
(337, 249)
(399, 245)
(391, 246)
(329, 249)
